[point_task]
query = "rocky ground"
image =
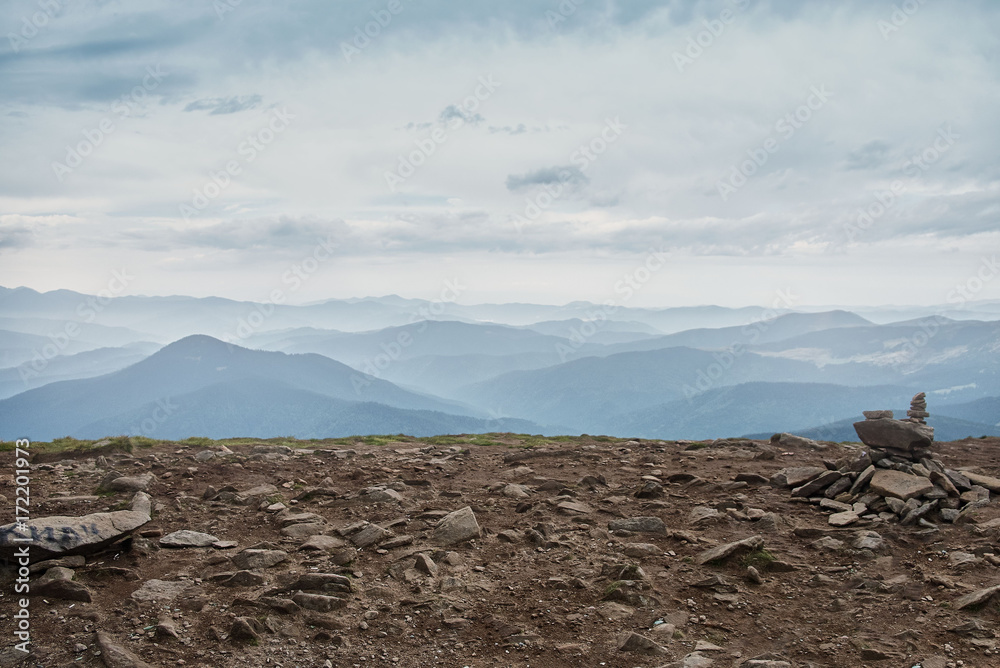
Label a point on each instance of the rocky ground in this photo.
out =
(473, 552)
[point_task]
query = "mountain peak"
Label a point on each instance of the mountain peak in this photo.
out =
(196, 344)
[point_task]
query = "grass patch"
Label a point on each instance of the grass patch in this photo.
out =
(758, 559)
(446, 440)
(613, 587)
(697, 445)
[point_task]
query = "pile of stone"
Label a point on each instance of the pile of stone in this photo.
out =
(908, 439)
(895, 478)
(918, 409)
(872, 487)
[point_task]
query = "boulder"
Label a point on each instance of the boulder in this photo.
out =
(898, 436)
(59, 535)
(457, 527)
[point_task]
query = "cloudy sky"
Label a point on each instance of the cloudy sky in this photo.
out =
(531, 149)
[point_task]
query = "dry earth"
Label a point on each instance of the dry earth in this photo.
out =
(551, 580)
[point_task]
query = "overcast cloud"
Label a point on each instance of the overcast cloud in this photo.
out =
(848, 149)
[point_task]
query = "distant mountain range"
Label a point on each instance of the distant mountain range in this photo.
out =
(71, 364)
(200, 385)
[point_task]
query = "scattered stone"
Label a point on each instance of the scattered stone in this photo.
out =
(160, 591)
(258, 559)
(457, 527)
(638, 525)
(186, 538)
(792, 441)
(129, 484)
(817, 484)
(638, 644)
(868, 540)
(843, 519)
(723, 552)
(990, 483)
(639, 550)
(115, 655)
(318, 602)
(58, 583)
(371, 535)
(245, 629)
(976, 598)
(796, 476)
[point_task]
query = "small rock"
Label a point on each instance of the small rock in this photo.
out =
(728, 550)
(638, 644)
(116, 656)
(186, 538)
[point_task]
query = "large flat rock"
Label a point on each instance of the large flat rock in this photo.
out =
(899, 485)
(61, 535)
(900, 435)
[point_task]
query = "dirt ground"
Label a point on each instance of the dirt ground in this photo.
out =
(546, 583)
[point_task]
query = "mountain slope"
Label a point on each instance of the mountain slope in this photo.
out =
(755, 408)
(87, 364)
(186, 366)
(777, 329)
(366, 350)
(582, 393)
(263, 409)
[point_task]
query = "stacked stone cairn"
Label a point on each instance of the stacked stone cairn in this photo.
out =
(895, 479)
(918, 409)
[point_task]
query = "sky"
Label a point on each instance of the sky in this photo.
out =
(716, 152)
